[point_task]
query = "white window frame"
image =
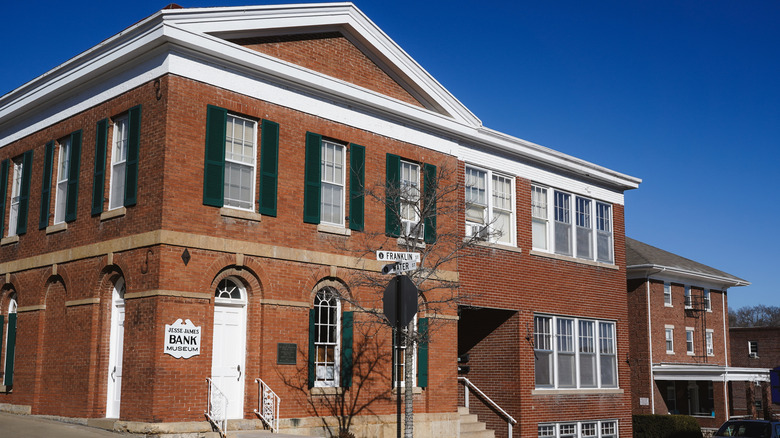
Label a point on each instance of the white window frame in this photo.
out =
(688, 297)
(708, 337)
(400, 368)
(409, 200)
(668, 294)
(119, 144)
(63, 170)
(327, 373)
(669, 336)
(579, 429)
(332, 182)
(578, 222)
(557, 345)
(707, 300)
(240, 161)
(12, 306)
(753, 349)
(491, 208)
(16, 191)
(690, 344)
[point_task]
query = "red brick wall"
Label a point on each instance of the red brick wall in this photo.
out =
(334, 55)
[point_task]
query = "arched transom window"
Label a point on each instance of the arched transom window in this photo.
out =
(229, 290)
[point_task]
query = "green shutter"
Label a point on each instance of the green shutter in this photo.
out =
(429, 198)
(99, 175)
(269, 167)
(24, 193)
(133, 145)
(10, 348)
(422, 352)
(3, 192)
(357, 182)
(2, 325)
(48, 159)
(392, 196)
(214, 166)
(72, 199)
(347, 319)
(312, 349)
(313, 178)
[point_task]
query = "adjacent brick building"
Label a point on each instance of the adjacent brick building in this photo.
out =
(756, 347)
(680, 336)
(209, 188)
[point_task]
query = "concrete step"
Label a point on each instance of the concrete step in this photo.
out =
(475, 426)
(471, 427)
(478, 434)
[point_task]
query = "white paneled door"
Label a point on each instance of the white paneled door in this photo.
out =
(227, 364)
(117, 335)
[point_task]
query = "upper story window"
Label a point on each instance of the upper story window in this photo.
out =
(707, 300)
(327, 336)
(9, 342)
(689, 341)
(240, 153)
(688, 299)
(574, 353)
(489, 205)
(709, 341)
(63, 170)
(669, 340)
(753, 349)
(410, 199)
(118, 163)
(668, 294)
(16, 196)
(582, 227)
(332, 195)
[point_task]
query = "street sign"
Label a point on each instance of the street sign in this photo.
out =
(403, 308)
(397, 256)
(398, 268)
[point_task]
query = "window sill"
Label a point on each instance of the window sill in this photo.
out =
(9, 240)
(416, 390)
(111, 214)
(670, 352)
(334, 229)
(574, 260)
(62, 226)
(580, 391)
(410, 243)
(668, 305)
(6, 389)
(240, 214)
(691, 353)
(326, 390)
(495, 245)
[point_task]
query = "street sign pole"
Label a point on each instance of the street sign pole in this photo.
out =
(398, 335)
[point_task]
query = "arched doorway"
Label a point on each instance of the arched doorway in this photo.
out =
(116, 346)
(228, 355)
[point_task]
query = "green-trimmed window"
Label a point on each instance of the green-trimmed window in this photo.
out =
(330, 341)
(20, 194)
(410, 209)
(123, 170)
(9, 342)
(419, 357)
(68, 161)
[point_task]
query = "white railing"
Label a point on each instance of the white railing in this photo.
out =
(508, 418)
(216, 409)
(268, 403)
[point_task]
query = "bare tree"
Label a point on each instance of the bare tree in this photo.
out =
(755, 316)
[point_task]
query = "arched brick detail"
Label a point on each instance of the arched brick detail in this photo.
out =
(5, 293)
(337, 284)
(248, 279)
(222, 262)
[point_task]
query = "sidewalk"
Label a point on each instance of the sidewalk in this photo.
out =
(30, 426)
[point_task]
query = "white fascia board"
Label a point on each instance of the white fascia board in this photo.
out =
(335, 15)
(713, 373)
(677, 275)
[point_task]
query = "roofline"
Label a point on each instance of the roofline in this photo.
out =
(650, 270)
(173, 27)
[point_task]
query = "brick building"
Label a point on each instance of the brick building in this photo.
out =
(206, 185)
(680, 345)
(756, 347)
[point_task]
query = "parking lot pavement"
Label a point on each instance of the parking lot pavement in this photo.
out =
(28, 426)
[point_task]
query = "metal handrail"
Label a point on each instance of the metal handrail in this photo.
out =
(467, 384)
(216, 408)
(268, 403)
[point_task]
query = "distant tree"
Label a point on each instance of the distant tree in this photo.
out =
(755, 316)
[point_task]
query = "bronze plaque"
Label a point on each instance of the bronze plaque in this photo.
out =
(286, 354)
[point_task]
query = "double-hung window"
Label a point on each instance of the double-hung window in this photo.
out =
(332, 172)
(410, 200)
(9, 343)
(327, 320)
(489, 205)
(707, 300)
(16, 198)
(574, 353)
(118, 163)
(670, 340)
(753, 349)
(240, 153)
(668, 294)
(688, 299)
(581, 227)
(709, 341)
(63, 170)
(689, 341)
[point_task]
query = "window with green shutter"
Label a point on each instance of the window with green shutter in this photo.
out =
(72, 190)
(133, 146)
(10, 349)
(312, 179)
(357, 183)
(422, 353)
(429, 202)
(392, 196)
(24, 193)
(48, 161)
(3, 192)
(99, 173)
(269, 167)
(347, 334)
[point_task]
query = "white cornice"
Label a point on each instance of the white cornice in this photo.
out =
(700, 279)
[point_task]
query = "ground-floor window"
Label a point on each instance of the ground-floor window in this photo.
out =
(579, 429)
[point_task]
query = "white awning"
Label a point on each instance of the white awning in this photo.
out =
(714, 373)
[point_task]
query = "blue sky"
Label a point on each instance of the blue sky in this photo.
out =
(683, 94)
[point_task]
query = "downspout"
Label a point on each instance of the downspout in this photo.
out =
(650, 341)
(725, 353)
